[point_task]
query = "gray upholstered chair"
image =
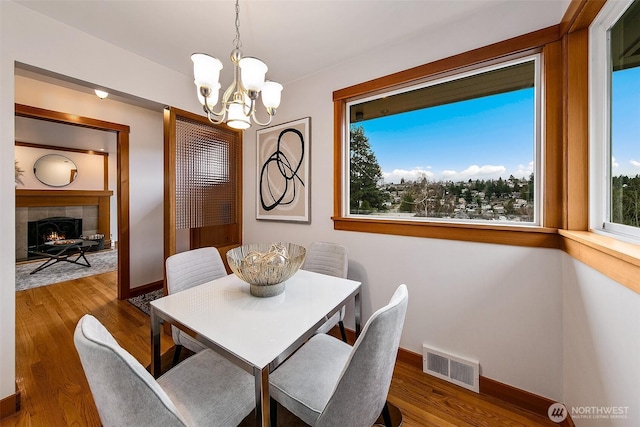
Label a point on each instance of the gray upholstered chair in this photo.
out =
(331, 259)
(185, 270)
(329, 383)
(204, 390)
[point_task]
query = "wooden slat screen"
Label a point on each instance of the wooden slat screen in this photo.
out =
(206, 175)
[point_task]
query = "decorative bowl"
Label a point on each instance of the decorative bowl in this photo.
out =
(266, 266)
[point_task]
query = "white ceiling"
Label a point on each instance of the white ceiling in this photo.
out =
(296, 38)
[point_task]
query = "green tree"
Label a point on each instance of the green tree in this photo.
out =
(365, 173)
(407, 204)
(625, 200)
(508, 207)
(468, 197)
(616, 198)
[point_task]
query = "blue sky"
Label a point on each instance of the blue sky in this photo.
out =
(489, 137)
(481, 138)
(625, 122)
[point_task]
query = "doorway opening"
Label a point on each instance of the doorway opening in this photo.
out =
(122, 179)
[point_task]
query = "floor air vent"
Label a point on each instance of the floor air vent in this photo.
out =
(456, 370)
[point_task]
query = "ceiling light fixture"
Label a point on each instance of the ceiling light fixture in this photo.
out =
(101, 94)
(238, 105)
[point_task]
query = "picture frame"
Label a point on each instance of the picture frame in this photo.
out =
(283, 172)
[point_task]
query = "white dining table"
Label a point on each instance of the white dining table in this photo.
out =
(257, 334)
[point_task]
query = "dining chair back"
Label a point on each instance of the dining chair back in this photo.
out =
(203, 390)
(193, 267)
(361, 393)
(327, 258)
(329, 383)
(330, 259)
(186, 270)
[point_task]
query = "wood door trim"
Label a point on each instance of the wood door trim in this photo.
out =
(122, 197)
(66, 118)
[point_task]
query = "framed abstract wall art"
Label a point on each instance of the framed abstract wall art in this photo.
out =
(283, 172)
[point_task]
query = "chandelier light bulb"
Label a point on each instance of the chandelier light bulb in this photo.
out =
(236, 117)
(206, 69)
(271, 94)
(252, 71)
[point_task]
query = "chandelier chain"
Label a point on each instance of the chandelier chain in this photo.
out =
(237, 43)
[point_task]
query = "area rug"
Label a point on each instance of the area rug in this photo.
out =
(101, 262)
(142, 301)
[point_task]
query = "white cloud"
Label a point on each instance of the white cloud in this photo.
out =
(409, 175)
(472, 172)
(614, 163)
(475, 170)
(635, 163)
(524, 171)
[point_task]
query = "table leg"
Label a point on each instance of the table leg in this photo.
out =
(358, 314)
(156, 363)
(47, 263)
(62, 256)
(263, 415)
(81, 255)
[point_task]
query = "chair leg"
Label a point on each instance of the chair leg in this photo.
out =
(273, 409)
(386, 415)
(343, 332)
(176, 354)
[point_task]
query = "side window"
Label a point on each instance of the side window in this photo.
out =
(461, 148)
(625, 115)
(616, 119)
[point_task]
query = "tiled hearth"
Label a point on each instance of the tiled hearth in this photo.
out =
(89, 215)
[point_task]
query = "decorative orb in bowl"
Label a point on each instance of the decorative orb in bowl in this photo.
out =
(266, 266)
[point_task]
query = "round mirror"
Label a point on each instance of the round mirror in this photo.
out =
(55, 170)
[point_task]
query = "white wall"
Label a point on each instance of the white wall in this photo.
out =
(33, 39)
(90, 169)
(601, 346)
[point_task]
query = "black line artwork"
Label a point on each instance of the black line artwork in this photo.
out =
(279, 177)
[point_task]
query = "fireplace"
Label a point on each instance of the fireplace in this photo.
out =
(53, 228)
(34, 205)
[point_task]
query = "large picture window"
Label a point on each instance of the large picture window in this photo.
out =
(463, 148)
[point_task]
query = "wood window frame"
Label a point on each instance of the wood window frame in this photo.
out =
(565, 49)
(612, 257)
(546, 41)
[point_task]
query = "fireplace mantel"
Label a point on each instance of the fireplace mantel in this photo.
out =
(42, 198)
(28, 198)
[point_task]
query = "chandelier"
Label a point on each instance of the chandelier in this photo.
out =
(238, 105)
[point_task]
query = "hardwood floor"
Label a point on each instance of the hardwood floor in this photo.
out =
(54, 391)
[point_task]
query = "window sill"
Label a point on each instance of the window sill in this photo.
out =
(615, 259)
(481, 233)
